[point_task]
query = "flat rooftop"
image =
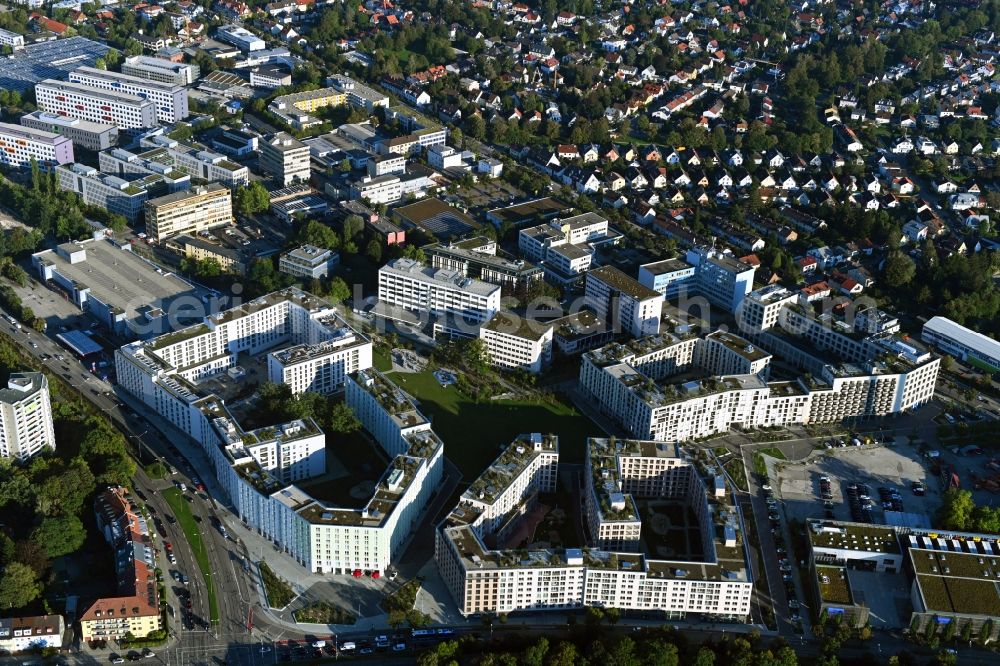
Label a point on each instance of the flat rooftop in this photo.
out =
(516, 325)
(120, 278)
(537, 210)
(443, 277)
(621, 282)
(961, 583)
(667, 266)
(48, 60)
(738, 345)
(492, 483)
(837, 535)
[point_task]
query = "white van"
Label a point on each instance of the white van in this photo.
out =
(347, 646)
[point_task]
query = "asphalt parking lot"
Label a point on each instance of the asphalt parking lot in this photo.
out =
(893, 468)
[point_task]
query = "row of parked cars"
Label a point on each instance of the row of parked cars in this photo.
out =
(860, 501)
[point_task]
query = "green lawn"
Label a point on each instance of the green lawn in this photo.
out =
(474, 432)
(381, 359)
(192, 531)
(774, 452)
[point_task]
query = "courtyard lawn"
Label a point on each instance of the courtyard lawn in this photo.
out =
(473, 433)
(381, 359)
(185, 518)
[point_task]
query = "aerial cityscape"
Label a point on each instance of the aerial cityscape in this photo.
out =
(480, 333)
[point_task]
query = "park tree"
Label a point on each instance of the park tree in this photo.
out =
(314, 232)
(353, 226)
(374, 251)
(18, 586)
(899, 269)
(60, 535)
(338, 291)
(251, 199)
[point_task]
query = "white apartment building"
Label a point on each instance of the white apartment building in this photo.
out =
(515, 342)
(285, 158)
(114, 194)
(358, 94)
(761, 310)
(161, 69)
(11, 39)
(199, 162)
(120, 162)
(189, 211)
(411, 286)
(25, 417)
(723, 353)
(18, 634)
(170, 100)
(720, 277)
(631, 384)
(20, 145)
(254, 467)
(308, 261)
(717, 582)
(124, 110)
(623, 302)
(378, 189)
(90, 135)
(386, 165)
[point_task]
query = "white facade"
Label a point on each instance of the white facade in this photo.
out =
(667, 277)
(721, 278)
(25, 417)
(286, 158)
(90, 135)
(199, 162)
(18, 634)
(963, 343)
(20, 145)
(161, 69)
(11, 39)
(410, 285)
(111, 193)
(170, 100)
(75, 100)
(516, 343)
(623, 302)
(308, 261)
(240, 37)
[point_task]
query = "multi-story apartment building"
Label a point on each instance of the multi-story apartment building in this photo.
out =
(385, 165)
(517, 343)
(416, 288)
(136, 609)
(25, 417)
(477, 258)
(761, 310)
(124, 110)
(18, 634)
(296, 109)
(161, 69)
(622, 301)
(285, 158)
(170, 100)
(308, 261)
(199, 162)
(116, 195)
(631, 384)
(374, 190)
(716, 581)
(564, 247)
(190, 211)
(668, 276)
(251, 466)
(358, 94)
(19, 146)
(84, 133)
(721, 278)
(722, 353)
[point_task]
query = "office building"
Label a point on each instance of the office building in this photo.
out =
(487, 575)
(668, 276)
(580, 331)
(623, 302)
(477, 258)
(633, 384)
(565, 246)
(966, 345)
(308, 262)
(170, 100)
(285, 158)
(411, 286)
(161, 69)
(721, 278)
(230, 259)
(197, 161)
(83, 133)
(116, 195)
(124, 110)
(386, 165)
(517, 343)
(240, 37)
(235, 143)
(270, 76)
(298, 201)
(18, 634)
(25, 417)
(136, 608)
(188, 212)
(123, 164)
(20, 146)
